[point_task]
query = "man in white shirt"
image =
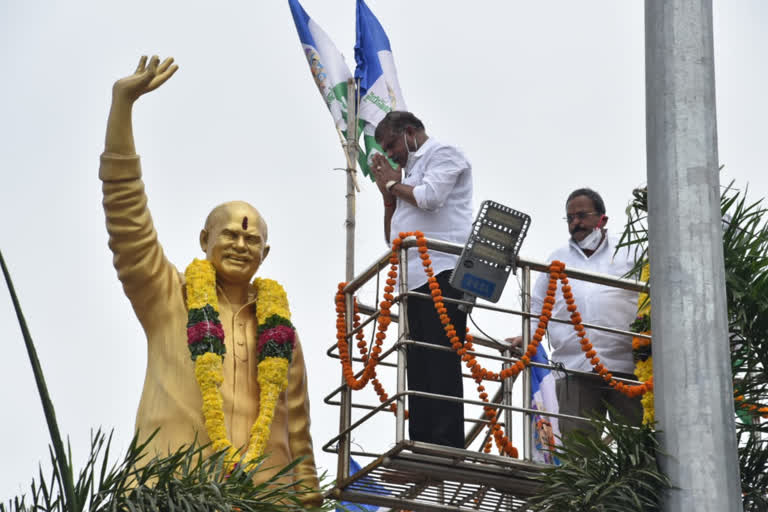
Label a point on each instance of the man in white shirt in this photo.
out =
(430, 191)
(590, 248)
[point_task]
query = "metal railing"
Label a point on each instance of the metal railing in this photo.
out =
(507, 354)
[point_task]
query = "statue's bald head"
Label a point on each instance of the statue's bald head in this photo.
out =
(225, 211)
(234, 239)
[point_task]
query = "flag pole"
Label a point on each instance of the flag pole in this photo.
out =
(350, 150)
(351, 154)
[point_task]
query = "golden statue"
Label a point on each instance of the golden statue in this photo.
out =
(234, 240)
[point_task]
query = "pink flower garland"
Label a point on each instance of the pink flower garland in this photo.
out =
(280, 334)
(201, 329)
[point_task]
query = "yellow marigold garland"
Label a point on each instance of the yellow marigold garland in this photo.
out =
(206, 343)
(642, 347)
(644, 372)
(273, 379)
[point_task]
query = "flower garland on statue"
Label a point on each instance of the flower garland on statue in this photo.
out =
(205, 336)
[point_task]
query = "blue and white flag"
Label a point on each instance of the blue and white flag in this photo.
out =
(379, 86)
(545, 429)
(364, 485)
(326, 63)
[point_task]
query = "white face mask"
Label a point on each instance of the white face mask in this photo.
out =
(408, 148)
(592, 240)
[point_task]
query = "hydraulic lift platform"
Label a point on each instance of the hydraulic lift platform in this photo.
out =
(421, 476)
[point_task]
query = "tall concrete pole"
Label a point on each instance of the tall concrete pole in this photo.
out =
(691, 362)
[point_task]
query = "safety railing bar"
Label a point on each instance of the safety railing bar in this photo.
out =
(362, 420)
(363, 325)
(521, 313)
(592, 277)
(487, 342)
(539, 266)
(447, 398)
(378, 265)
(513, 408)
(359, 373)
(372, 407)
(354, 405)
(373, 313)
(442, 348)
(430, 346)
(513, 359)
(479, 339)
(373, 269)
(360, 360)
(372, 455)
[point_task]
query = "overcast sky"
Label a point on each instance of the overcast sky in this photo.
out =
(544, 97)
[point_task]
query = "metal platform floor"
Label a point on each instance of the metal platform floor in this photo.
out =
(421, 476)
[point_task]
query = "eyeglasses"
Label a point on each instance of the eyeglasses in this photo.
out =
(578, 215)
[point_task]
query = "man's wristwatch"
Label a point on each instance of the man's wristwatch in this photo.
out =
(390, 184)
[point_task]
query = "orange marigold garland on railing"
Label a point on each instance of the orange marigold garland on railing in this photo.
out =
(465, 349)
(369, 371)
(631, 391)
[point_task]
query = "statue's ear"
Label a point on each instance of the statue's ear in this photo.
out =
(264, 254)
(204, 240)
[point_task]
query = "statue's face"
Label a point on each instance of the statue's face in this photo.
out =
(235, 243)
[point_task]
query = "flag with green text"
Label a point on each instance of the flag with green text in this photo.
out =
(326, 63)
(379, 88)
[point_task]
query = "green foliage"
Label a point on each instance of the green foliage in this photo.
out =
(641, 324)
(622, 476)
(745, 249)
(185, 480)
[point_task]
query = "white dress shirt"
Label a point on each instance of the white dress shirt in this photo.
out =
(441, 177)
(598, 305)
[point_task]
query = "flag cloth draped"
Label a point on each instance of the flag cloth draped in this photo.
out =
(366, 485)
(326, 63)
(379, 87)
(545, 429)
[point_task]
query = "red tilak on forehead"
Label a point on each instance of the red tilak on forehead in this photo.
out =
(245, 222)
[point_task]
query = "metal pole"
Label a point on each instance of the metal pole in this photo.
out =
(506, 388)
(525, 305)
(402, 334)
(345, 409)
(506, 394)
(351, 170)
(692, 366)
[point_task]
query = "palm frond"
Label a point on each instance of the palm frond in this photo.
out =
(186, 480)
(621, 476)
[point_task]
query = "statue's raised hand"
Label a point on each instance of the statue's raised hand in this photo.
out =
(146, 78)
